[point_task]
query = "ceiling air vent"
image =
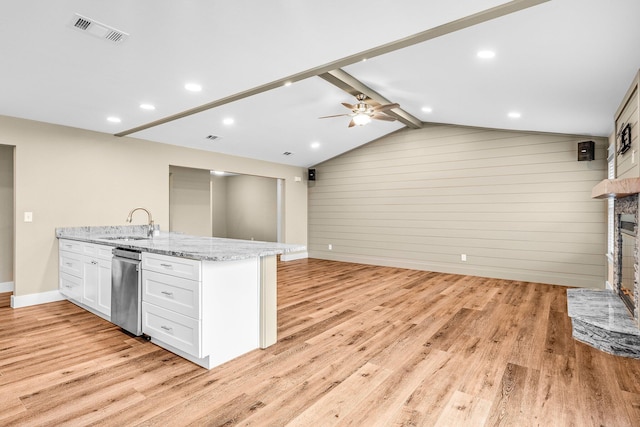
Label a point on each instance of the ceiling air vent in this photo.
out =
(212, 137)
(97, 29)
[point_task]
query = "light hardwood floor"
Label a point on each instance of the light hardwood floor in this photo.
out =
(358, 345)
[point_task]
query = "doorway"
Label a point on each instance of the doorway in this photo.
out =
(7, 223)
(224, 204)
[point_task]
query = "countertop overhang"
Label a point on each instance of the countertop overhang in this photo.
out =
(617, 188)
(177, 244)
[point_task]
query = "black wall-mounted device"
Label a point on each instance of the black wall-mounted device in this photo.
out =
(312, 174)
(586, 151)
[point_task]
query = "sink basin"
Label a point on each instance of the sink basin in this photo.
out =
(124, 238)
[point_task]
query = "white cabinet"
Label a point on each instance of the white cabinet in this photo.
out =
(205, 311)
(85, 274)
(171, 302)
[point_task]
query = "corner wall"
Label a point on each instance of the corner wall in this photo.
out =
(71, 177)
(517, 204)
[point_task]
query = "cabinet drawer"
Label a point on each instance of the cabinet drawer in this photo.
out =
(71, 263)
(99, 251)
(175, 266)
(71, 286)
(173, 293)
(70, 246)
(179, 331)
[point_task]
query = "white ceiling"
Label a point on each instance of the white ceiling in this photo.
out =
(563, 64)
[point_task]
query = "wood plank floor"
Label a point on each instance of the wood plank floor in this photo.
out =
(358, 346)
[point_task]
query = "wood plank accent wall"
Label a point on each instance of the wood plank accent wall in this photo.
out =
(629, 112)
(517, 204)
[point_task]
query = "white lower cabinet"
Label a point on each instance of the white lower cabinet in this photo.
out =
(85, 274)
(205, 311)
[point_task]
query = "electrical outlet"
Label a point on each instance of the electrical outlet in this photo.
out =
(330, 247)
(28, 217)
(463, 257)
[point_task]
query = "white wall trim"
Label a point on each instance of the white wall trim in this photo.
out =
(35, 299)
(294, 256)
(6, 287)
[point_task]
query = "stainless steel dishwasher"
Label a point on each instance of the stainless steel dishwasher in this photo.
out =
(126, 290)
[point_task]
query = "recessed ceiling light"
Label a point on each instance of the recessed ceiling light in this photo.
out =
(427, 109)
(147, 106)
(228, 121)
(486, 54)
(193, 87)
(114, 119)
(315, 145)
(514, 115)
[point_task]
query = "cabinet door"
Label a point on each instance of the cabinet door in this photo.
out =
(103, 303)
(91, 277)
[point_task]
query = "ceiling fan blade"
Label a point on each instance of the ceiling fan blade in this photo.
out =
(383, 117)
(335, 115)
(349, 106)
(352, 123)
(385, 107)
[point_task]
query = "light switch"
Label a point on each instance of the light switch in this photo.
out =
(28, 217)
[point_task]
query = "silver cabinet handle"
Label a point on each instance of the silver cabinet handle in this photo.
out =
(166, 328)
(94, 262)
(68, 264)
(167, 293)
(166, 265)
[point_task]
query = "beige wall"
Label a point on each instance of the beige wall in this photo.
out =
(6, 214)
(219, 205)
(190, 201)
(72, 177)
(517, 204)
(252, 208)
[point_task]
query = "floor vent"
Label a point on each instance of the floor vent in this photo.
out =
(97, 29)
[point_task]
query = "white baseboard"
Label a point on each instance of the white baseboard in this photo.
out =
(35, 299)
(608, 285)
(6, 287)
(294, 256)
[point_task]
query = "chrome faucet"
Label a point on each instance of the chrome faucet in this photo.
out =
(130, 217)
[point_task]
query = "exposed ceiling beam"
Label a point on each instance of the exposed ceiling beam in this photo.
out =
(450, 27)
(353, 86)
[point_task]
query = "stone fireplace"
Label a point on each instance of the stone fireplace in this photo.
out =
(608, 319)
(625, 260)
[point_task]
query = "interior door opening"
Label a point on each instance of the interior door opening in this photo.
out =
(224, 204)
(7, 222)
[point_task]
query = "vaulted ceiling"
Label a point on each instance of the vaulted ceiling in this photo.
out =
(275, 66)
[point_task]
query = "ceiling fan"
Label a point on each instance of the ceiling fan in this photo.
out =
(365, 110)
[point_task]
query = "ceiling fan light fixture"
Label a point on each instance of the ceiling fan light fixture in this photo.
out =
(361, 119)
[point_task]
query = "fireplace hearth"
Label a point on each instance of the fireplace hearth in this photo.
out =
(608, 319)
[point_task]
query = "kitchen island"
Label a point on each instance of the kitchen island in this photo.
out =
(206, 299)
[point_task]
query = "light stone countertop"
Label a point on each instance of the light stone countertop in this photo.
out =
(176, 244)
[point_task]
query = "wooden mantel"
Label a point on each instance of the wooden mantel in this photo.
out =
(616, 187)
